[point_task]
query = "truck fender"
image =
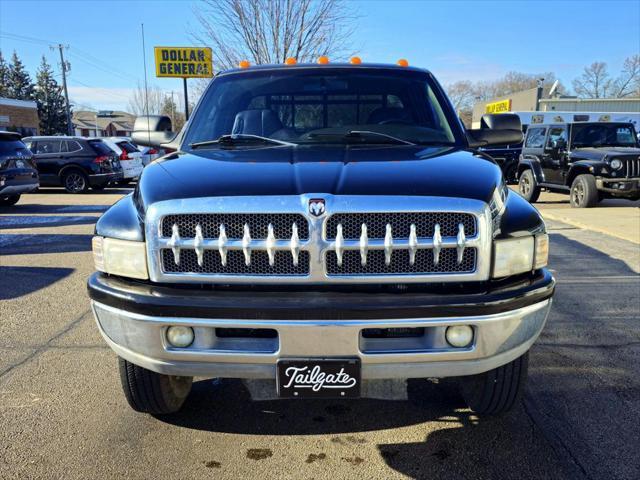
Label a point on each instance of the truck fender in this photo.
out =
(532, 163)
(583, 168)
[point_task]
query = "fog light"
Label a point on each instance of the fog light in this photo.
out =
(180, 336)
(459, 335)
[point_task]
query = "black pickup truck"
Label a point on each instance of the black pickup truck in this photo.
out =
(589, 161)
(322, 226)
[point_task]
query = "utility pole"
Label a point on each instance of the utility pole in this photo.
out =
(186, 100)
(65, 69)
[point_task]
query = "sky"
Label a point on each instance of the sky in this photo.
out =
(456, 40)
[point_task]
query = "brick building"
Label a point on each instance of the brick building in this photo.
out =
(103, 124)
(19, 116)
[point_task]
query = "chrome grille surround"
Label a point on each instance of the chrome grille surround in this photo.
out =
(317, 244)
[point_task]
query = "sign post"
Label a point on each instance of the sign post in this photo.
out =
(183, 62)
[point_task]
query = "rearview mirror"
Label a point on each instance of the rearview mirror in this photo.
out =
(496, 129)
(153, 131)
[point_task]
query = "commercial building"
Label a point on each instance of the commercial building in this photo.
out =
(19, 116)
(109, 123)
(540, 100)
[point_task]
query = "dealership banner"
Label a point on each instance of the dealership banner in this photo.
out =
(183, 62)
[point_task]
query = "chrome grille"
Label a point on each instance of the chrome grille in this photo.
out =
(354, 239)
(632, 167)
(236, 265)
(234, 224)
(400, 263)
(401, 222)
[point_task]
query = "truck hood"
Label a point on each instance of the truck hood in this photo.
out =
(597, 153)
(379, 170)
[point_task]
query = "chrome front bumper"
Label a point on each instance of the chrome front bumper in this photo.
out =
(498, 339)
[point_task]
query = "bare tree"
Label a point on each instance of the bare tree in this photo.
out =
(137, 101)
(462, 95)
(270, 31)
(594, 81)
(628, 83)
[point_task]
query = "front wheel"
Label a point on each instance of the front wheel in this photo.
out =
(10, 200)
(584, 193)
(528, 187)
(498, 390)
(151, 392)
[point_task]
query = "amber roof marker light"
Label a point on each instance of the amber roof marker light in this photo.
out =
(403, 62)
(244, 64)
(290, 61)
(323, 60)
(355, 60)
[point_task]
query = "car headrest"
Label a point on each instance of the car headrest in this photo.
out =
(389, 113)
(256, 122)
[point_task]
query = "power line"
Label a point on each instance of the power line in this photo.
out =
(77, 53)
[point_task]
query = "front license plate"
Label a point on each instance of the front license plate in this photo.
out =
(319, 378)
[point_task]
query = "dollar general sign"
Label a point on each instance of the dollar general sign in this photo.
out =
(183, 62)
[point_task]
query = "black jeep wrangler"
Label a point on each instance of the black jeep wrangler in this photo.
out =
(590, 161)
(322, 227)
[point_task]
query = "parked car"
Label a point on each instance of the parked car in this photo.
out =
(18, 173)
(149, 154)
(129, 155)
(589, 161)
(318, 226)
(76, 163)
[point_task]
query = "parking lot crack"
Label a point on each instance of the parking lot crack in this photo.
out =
(48, 345)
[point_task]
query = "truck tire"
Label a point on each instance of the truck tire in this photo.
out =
(151, 392)
(75, 181)
(10, 200)
(584, 193)
(528, 187)
(498, 390)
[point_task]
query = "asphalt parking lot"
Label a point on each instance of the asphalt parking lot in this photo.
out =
(62, 413)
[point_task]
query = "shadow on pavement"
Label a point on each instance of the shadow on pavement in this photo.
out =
(18, 281)
(35, 221)
(456, 443)
(18, 244)
(70, 208)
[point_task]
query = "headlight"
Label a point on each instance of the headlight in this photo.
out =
(519, 255)
(616, 164)
(120, 257)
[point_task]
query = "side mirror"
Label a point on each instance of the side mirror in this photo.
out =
(496, 129)
(152, 131)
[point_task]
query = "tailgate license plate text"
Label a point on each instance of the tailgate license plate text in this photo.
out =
(319, 378)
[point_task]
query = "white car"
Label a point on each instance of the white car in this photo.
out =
(149, 154)
(130, 157)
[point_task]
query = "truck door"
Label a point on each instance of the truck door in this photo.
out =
(555, 154)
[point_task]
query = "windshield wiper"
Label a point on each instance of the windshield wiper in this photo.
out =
(240, 138)
(362, 133)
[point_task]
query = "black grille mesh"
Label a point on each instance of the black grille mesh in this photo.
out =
(400, 224)
(212, 264)
(351, 263)
(234, 224)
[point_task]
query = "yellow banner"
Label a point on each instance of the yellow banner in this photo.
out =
(183, 62)
(499, 107)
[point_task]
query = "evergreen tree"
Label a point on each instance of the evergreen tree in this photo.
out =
(20, 85)
(50, 100)
(4, 77)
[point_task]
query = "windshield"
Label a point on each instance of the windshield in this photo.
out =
(309, 106)
(603, 135)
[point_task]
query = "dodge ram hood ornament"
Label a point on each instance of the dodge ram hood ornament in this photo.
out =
(316, 206)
